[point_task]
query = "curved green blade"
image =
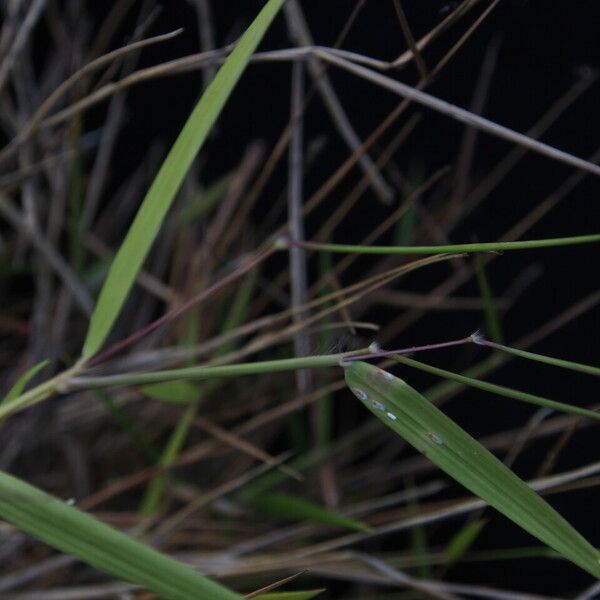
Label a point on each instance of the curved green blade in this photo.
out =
(75, 532)
(454, 451)
(305, 595)
(298, 509)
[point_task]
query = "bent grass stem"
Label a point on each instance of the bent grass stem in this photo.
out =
(474, 247)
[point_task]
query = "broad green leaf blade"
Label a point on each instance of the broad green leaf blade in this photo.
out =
(304, 595)
(296, 509)
(141, 234)
(454, 451)
(75, 532)
(19, 385)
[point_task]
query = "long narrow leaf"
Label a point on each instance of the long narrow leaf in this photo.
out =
(141, 234)
(75, 532)
(454, 451)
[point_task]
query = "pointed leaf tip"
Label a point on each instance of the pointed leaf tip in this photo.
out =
(453, 450)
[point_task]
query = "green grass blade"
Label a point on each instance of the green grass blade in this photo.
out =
(418, 534)
(296, 509)
(172, 392)
(492, 318)
(432, 433)
(205, 201)
(19, 385)
(548, 360)
(501, 390)
(476, 247)
(183, 391)
(75, 532)
(462, 541)
(128, 425)
(154, 491)
(304, 595)
(141, 234)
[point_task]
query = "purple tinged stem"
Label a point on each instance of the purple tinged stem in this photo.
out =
(382, 353)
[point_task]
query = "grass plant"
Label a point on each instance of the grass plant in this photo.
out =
(196, 378)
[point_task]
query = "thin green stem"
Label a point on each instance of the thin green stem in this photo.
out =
(549, 360)
(475, 247)
(500, 389)
(41, 392)
(492, 317)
